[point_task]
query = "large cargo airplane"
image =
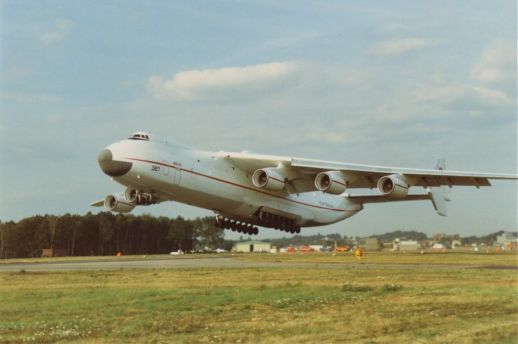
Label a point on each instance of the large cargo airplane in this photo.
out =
(248, 190)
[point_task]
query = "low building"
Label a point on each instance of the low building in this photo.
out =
(456, 244)
(305, 248)
(409, 245)
(439, 246)
(507, 241)
(252, 246)
(372, 244)
(405, 245)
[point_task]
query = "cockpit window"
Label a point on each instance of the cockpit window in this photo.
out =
(139, 136)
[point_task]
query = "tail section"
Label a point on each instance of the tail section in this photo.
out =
(439, 195)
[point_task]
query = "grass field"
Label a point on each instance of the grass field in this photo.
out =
(314, 303)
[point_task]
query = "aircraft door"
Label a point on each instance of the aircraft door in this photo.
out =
(165, 168)
(171, 171)
(177, 175)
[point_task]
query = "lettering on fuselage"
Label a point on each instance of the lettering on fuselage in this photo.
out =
(155, 168)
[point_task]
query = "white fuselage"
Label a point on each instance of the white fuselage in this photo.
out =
(208, 180)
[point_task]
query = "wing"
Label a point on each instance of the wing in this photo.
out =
(99, 203)
(367, 175)
(303, 172)
(299, 180)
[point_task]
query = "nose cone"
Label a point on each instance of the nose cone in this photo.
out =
(112, 167)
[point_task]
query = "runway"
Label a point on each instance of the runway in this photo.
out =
(226, 262)
(139, 263)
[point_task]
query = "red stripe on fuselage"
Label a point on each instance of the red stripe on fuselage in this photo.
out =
(234, 184)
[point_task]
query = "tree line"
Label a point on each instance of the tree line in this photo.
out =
(106, 234)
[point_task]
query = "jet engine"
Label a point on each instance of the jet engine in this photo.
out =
(268, 178)
(331, 182)
(394, 186)
(118, 203)
(136, 197)
(131, 195)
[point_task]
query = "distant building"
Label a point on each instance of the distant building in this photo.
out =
(252, 246)
(508, 240)
(438, 246)
(372, 244)
(456, 243)
(306, 248)
(405, 245)
(409, 245)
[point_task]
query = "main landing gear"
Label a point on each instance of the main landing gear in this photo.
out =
(278, 222)
(266, 219)
(236, 226)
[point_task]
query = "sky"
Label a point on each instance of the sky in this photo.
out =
(399, 83)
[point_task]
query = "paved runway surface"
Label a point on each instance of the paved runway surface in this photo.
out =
(213, 262)
(186, 263)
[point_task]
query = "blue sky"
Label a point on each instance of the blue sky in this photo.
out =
(399, 83)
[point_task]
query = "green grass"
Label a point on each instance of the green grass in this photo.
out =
(285, 304)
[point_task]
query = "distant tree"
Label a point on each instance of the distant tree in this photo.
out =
(335, 236)
(207, 233)
(402, 235)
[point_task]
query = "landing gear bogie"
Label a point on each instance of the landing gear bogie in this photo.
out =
(235, 226)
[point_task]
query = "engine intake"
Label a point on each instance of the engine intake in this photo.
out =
(131, 195)
(268, 178)
(394, 186)
(118, 204)
(331, 182)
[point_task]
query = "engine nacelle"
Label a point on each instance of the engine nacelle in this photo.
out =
(131, 195)
(331, 182)
(136, 197)
(268, 178)
(394, 186)
(118, 203)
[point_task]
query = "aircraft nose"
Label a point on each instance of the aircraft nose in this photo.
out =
(112, 167)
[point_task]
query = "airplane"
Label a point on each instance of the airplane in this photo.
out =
(247, 191)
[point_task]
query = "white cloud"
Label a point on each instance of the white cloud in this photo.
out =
(62, 29)
(398, 46)
(207, 83)
(454, 93)
(497, 64)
